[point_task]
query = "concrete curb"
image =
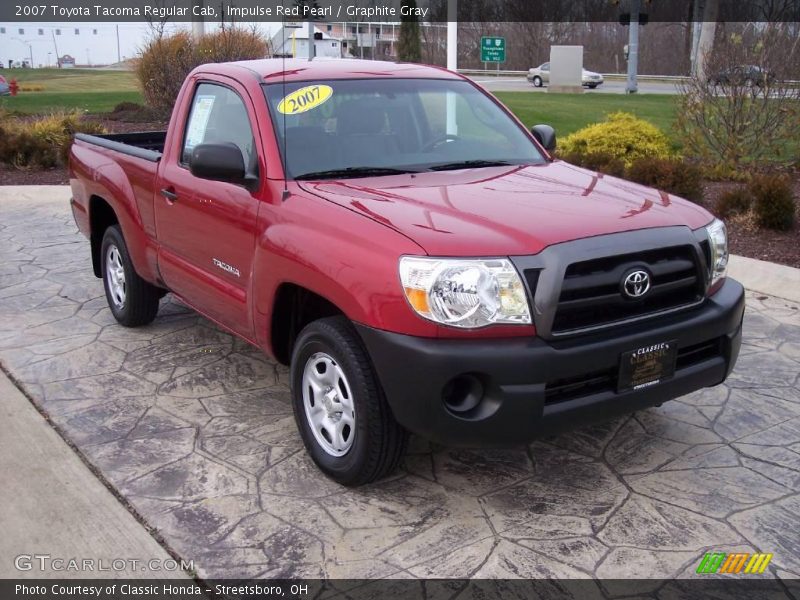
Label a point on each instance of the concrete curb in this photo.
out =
(54, 504)
(766, 277)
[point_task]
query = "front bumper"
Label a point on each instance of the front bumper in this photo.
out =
(523, 379)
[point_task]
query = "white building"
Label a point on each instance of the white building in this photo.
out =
(340, 40)
(293, 42)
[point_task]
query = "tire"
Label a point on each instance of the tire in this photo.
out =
(592, 87)
(132, 300)
(537, 81)
(351, 449)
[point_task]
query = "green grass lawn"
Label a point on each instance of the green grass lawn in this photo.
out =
(48, 102)
(569, 112)
(97, 91)
(91, 90)
(76, 80)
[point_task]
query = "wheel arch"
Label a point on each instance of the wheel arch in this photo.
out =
(101, 217)
(294, 307)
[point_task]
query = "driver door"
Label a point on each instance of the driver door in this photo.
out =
(207, 229)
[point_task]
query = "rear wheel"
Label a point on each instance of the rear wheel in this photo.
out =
(339, 406)
(132, 300)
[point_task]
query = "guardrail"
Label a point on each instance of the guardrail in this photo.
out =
(609, 76)
(606, 76)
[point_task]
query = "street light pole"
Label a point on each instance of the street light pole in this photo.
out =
(452, 62)
(452, 35)
(27, 43)
(198, 24)
(633, 49)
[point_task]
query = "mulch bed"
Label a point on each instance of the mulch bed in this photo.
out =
(772, 246)
(60, 176)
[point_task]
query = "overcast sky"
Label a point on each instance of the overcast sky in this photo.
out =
(86, 46)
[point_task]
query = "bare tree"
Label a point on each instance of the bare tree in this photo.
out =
(157, 27)
(739, 109)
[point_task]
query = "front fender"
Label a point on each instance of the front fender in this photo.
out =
(339, 255)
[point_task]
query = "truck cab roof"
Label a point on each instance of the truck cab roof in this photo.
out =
(295, 69)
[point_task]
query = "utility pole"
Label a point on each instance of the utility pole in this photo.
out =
(310, 39)
(706, 43)
(119, 55)
(632, 86)
(452, 35)
(697, 11)
(58, 56)
(452, 62)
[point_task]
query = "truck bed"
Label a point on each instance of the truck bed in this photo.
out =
(148, 145)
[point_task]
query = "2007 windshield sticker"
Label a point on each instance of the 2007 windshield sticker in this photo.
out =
(304, 99)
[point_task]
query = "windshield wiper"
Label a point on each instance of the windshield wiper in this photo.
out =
(469, 164)
(354, 172)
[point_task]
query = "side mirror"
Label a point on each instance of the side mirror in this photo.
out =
(545, 135)
(218, 162)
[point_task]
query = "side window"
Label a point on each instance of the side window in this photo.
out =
(218, 115)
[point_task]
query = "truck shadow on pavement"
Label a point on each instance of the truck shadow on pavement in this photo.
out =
(193, 428)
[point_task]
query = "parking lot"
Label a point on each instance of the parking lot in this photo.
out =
(193, 428)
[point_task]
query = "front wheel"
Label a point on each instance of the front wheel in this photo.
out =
(339, 406)
(132, 300)
(537, 81)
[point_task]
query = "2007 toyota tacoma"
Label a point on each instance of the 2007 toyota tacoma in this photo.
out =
(414, 252)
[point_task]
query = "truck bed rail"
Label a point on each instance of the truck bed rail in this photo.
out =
(147, 145)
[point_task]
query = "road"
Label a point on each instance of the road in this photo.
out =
(520, 84)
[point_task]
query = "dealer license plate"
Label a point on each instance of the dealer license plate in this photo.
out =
(646, 366)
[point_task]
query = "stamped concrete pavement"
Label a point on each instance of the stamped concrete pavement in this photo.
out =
(193, 427)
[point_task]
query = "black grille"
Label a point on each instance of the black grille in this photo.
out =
(705, 246)
(582, 385)
(588, 384)
(591, 293)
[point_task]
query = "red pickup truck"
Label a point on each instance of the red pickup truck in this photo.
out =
(414, 252)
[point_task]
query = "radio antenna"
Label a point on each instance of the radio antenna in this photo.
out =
(285, 153)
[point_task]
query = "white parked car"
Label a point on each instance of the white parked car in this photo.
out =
(540, 76)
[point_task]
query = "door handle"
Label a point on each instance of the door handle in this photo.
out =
(169, 194)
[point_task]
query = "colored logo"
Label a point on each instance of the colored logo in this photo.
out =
(739, 562)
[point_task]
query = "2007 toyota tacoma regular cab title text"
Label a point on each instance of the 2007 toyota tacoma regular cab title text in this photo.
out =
(415, 254)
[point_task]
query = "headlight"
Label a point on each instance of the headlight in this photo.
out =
(465, 293)
(718, 238)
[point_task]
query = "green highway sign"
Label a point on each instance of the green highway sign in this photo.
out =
(493, 49)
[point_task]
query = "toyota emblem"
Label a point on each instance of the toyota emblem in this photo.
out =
(636, 284)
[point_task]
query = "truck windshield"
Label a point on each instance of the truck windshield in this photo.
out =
(371, 127)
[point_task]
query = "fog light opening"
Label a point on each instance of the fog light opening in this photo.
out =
(462, 394)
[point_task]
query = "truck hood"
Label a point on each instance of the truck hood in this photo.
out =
(503, 211)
